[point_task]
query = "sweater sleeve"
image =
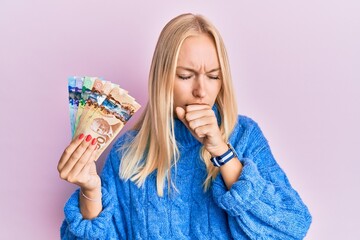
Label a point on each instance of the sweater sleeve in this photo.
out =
(262, 204)
(110, 223)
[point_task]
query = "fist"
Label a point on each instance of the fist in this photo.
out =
(200, 119)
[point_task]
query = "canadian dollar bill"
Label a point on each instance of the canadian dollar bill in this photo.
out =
(77, 98)
(99, 92)
(88, 83)
(71, 90)
(110, 117)
(121, 104)
(100, 109)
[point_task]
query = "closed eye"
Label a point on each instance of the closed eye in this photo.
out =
(184, 77)
(213, 77)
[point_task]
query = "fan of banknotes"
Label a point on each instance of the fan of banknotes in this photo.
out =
(99, 108)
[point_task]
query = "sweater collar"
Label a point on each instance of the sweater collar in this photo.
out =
(183, 135)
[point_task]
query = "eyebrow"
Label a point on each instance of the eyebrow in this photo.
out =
(192, 70)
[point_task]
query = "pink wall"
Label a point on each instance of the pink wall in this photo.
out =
(296, 70)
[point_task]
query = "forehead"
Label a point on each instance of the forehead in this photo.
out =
(198, 51)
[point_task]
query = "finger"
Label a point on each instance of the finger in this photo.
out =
(203, 131)
(85, 158)
(195, 107)
(75, 156)
(69, 150)
(180, 112)
(189, 116)
(96, 154)
(181, 115)
(198, 122)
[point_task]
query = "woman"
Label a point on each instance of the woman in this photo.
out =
(191, 168)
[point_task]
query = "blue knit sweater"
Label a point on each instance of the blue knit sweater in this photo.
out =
(260, 205)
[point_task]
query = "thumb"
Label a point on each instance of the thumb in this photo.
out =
(180, 112)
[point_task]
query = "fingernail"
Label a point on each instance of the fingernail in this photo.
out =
(94, 141)
(81, 136)
(88, 138)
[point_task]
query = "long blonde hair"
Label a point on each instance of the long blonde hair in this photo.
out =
(154, 146)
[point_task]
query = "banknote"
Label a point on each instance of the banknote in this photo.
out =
(88, 83)
(99, 108)
(71, 90)
(77, 97)
(110, 117)
(121, 104)
(97, 95)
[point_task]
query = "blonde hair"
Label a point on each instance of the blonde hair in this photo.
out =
(154, 146)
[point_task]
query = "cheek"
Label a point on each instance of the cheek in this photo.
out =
(215, 89)
(179, 93)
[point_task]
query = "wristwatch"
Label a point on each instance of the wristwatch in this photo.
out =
(224, 158)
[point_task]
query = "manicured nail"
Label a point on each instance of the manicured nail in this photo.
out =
(88, 138)
(81, 136)
(93, 142)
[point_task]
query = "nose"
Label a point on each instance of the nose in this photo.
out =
(199, 87)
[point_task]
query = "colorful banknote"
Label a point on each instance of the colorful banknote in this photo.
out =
(100, 109)
(94, 99)
(74, 87)
(85, 92)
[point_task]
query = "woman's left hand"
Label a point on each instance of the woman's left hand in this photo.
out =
(200, 119)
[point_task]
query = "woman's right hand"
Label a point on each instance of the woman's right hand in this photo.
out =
(77, 163)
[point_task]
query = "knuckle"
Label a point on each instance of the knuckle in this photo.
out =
(82, 148)
(63, 175)
(197, 131)
(190, 115)
(58, 167)
(187, 116)
(71, 179)
(67, 151)
(85, 143)
(192, 124)
(76, 155)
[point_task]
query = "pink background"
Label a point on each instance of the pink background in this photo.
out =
(296, 70)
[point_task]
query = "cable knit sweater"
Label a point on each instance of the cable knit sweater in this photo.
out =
(260, 205)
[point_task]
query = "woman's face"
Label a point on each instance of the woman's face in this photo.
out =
(197, 79)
